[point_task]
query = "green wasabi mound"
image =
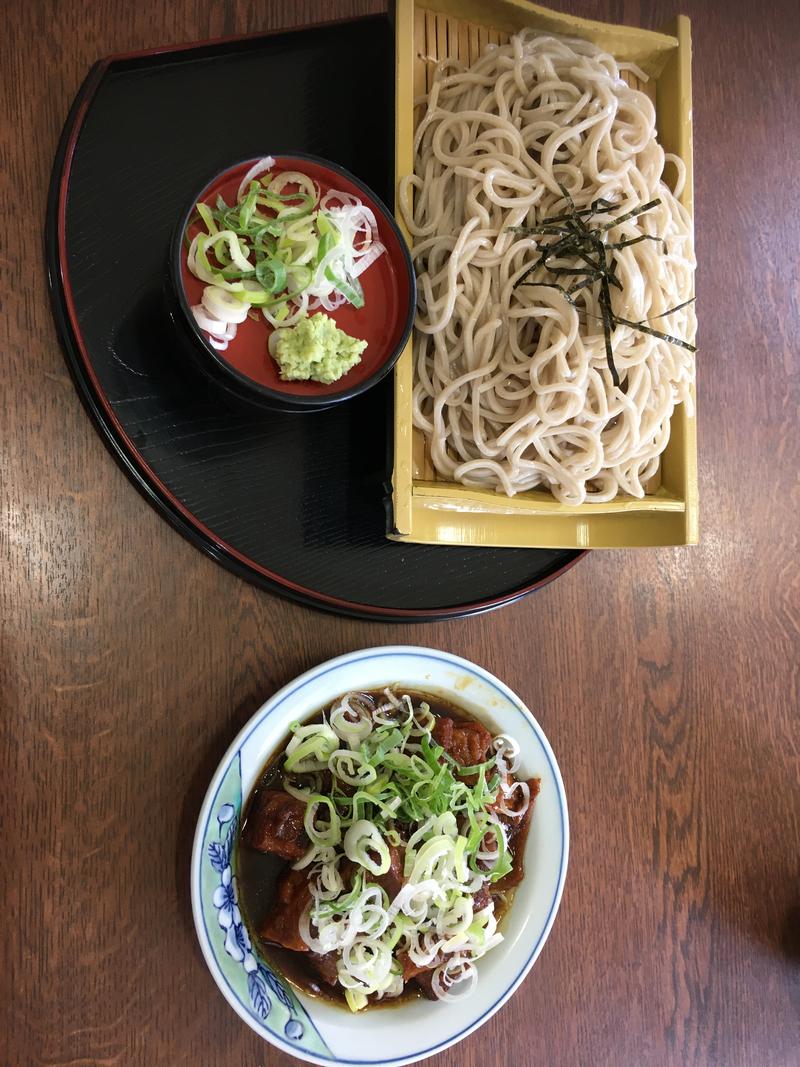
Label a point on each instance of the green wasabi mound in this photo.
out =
(315, 350)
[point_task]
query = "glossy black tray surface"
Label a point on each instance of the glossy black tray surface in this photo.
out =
(294, 503)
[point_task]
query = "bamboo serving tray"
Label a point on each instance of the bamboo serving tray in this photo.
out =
(430, 510)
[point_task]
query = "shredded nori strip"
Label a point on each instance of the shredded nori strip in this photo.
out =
(578, 240)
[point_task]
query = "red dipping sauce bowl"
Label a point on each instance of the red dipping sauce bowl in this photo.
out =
(245, 368)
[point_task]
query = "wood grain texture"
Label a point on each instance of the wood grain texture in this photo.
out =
(667, 681)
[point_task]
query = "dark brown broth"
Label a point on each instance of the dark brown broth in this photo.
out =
(258, 873)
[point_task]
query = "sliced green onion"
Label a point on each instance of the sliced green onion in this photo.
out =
(229, 241)
(380, 742)
(352, 768)
(310, 748)
(346, 901)
(323, 834)
(208, 219)
(271, 274)
(356, 1000)
(350, 289)
(248, 206)
(361, 841)
(290, 249)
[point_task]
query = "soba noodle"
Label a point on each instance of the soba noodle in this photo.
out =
(512, 386)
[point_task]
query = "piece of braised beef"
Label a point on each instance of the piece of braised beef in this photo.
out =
(282, 925)
(325, 966)
(410, 969)
(467, 742)
(393, 880)
(482, 899)
(275, 825)
(423, 976)
(425, 981)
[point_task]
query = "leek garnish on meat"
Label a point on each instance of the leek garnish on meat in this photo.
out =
(374, 779)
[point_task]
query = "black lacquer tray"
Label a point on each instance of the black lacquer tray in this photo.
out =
(294, 503)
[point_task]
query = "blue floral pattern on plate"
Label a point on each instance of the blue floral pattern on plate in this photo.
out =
(252, 981)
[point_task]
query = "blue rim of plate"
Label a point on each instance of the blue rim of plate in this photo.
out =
(292, 690)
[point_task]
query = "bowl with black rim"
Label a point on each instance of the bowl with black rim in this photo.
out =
(244, 368)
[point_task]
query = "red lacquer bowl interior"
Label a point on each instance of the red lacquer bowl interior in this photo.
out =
(383, 322)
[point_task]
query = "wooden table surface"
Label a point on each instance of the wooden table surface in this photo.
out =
(667, 680)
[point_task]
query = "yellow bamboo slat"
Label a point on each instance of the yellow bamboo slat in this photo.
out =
(462, 51)
(439, 37)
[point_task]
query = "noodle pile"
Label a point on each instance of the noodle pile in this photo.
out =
(512, 386)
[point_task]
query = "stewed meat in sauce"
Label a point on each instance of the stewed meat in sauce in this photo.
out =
(277, 898)
(275, 824)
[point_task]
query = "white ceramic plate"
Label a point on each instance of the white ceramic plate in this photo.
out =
(311, 1029)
